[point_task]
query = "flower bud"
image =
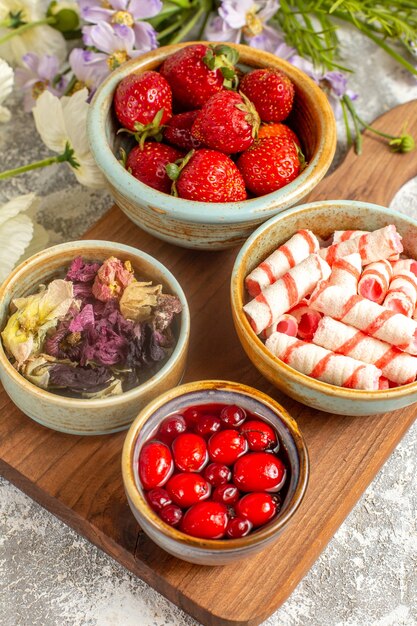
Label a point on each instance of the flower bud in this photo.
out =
(66, 14)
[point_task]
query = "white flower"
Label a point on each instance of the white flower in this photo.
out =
(41, 39)
(6, 86)
(62, 122)
(17, 232)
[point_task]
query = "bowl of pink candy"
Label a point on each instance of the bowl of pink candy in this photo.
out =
(324, 304)
(214, 470)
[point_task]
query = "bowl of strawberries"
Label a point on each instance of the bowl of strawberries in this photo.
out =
(201, 143)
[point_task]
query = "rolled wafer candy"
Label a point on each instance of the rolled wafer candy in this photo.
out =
(295, 250)
(410, 265)
(286, 324)
(286, 292)
(396, 366)
(345, 235)
(402, 293)
(307, 320)
(380, 244)
(370, 317)
(323, 364)
(375, 280)
(346, 272)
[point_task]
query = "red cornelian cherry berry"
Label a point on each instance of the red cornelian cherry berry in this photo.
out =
(226, 446)
(233, 415)
(191, 416)
(207, 520)
(187, 489)
(190, 452)
(217, 474)
(259, 471)
(155, 464)
(171, 427)
(257, 507)
(238, 527)
(158, 498)
(228, 494)
(171, 514)
(207, 425)
(260, 435)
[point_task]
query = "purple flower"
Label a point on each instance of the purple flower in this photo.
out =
(116, 45)
(125, 13)
(82, 275)
(247, 19)
(333, 83)
(79, 379)
(88, 70)
(84, 319)
(38, 75)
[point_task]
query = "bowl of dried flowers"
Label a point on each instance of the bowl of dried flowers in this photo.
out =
(91, 331)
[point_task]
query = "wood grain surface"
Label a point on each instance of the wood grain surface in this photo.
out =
(79, 479)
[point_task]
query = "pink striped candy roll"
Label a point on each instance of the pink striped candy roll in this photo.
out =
(370, 317)
(397, 366)
(410, 265)
(286, 292)
(286, 324)
(380, 244)
(295, 250)
(375, 280)
(402, 293)
(346, 272)
(345, 235)
(307, 320)
(323, 364)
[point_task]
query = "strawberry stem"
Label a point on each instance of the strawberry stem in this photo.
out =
(174, 170)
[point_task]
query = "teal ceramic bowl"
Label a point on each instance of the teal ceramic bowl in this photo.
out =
(214, 551)
(202, 225)
(322, 218)
(83, 416)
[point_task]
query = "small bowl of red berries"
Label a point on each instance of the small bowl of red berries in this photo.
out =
(214, 471)
(200, 143)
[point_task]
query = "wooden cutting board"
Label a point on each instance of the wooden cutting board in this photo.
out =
(79, 479)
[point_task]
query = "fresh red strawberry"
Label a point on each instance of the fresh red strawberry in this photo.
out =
(208, 176)
(148, 164)
(178, 131)
(198, 71)
(269, 164)
(142, 102)
(228, 122)
(278, 129)
(271, 91)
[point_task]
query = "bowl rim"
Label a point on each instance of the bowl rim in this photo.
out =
(193, 211)
(240, 319)
(136, 392)
(219, 545)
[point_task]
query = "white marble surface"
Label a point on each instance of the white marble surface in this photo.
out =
(367, 574)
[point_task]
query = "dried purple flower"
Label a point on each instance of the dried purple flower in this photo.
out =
(164, 312)
(80, 379)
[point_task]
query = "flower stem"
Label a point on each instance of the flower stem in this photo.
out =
(378, 40)
(398, 143)
(61, 158)
(188, 26)
(21, 29)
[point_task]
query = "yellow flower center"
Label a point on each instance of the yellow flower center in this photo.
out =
(123, 17)
(254, 25)
(117, 58)
(38, 88)
(79, 84)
